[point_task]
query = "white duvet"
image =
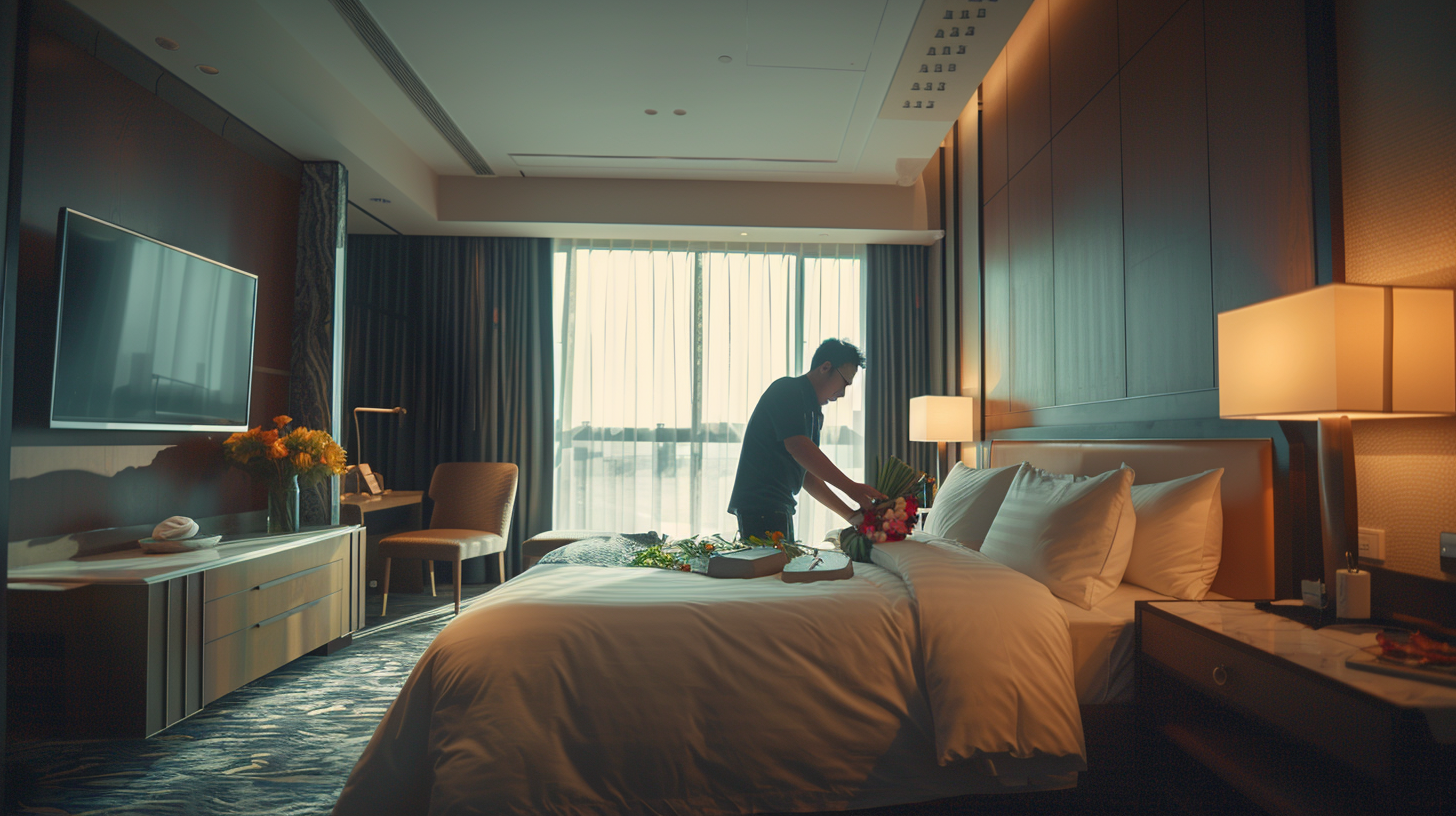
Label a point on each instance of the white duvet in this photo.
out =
(585, 690)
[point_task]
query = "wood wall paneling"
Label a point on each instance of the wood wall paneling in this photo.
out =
(1033, 317)
(1028, 97)
(1083, 43)
(1169, 308)
(1138, 21)
(1088, 284)
(993, 129)
(1258, 151)
(97, 142)
(996, 305)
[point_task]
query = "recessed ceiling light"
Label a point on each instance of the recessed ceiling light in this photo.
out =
(680, 112)
(650, 112)
(377, 200)
(725, 58)
(168, 43)
(742, 233)
(209, 70)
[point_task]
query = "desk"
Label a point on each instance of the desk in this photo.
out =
(397, 511)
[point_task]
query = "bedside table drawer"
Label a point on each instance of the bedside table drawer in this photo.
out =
(1347, 726)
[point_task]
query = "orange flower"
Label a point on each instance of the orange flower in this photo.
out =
(277, 451)
(268, 437)
(282, 419)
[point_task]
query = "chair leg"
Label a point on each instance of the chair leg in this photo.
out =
(457, 585)
(431, 566)
(385, 605)
(500, 563)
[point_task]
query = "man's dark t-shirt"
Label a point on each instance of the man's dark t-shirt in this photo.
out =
(768, 477)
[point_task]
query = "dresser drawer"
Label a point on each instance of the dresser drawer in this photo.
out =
(249, 574)
(230, 613)
(246, 655)
(1348, 726)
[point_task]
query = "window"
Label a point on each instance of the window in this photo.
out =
(662, 351)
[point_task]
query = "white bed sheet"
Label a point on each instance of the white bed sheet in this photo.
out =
(576, 690)
(1103, 643)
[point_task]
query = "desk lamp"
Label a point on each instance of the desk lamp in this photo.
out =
(941, 420)
(359, 440)
(1333, 354)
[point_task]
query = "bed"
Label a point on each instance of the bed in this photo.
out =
(936, 671)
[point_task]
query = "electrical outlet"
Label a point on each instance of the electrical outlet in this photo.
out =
(1372, 543)
(1448, 552)
(373, 584)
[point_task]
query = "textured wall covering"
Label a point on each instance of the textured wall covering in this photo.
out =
(1398, 160)
(318, 319)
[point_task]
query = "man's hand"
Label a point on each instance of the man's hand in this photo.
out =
(864, 494)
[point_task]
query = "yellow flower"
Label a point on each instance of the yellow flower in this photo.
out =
(302, 461)
(282, 419)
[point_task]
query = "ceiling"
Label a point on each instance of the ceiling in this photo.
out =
(407, 92)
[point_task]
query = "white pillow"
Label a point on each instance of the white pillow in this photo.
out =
(966, 503)
(1179, 535)
(1072, 533)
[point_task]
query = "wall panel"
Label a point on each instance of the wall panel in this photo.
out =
(1083, 42)
(1028, 97)
(996, 306)
(1087, 224)
(1165, 210)
(993, 129)
(1033, 316)
(1258, 152)
(1138, 21)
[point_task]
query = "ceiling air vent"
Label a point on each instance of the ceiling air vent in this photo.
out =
(379, 44)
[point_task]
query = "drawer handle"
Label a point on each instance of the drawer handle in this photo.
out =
(294, 611)
(285, 579)
(1220, 675)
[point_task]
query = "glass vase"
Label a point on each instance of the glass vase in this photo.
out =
(283, 506)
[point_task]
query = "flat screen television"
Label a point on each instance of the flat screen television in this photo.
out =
(148, 336)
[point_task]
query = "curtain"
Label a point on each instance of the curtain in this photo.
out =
(457, 331)
(663, 349)
(898, 347)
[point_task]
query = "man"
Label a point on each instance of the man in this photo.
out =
(781, 448)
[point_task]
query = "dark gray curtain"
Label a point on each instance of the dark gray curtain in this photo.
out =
(458, 332)
(897, 352)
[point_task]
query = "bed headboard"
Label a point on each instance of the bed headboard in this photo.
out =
(1246, 569)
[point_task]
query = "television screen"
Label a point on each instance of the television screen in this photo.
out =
(149, 336)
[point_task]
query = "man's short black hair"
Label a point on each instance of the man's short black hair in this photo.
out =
(837, 352)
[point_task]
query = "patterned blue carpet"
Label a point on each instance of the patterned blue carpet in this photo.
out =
(282, 745)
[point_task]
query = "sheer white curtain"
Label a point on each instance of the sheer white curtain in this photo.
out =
(662, 351)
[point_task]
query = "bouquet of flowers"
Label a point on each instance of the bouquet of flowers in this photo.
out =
(275, 457)
(282, 461)
(890, 519)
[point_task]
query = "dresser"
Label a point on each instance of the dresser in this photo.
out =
(1270, 707)
(126, 643)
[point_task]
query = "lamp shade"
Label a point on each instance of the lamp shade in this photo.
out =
(942, 419)
(1364, 352)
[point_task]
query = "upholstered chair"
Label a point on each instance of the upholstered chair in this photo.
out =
(472, 517)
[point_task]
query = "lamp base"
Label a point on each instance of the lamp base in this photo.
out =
(1339, 508)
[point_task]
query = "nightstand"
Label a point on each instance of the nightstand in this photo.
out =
(1269, 707)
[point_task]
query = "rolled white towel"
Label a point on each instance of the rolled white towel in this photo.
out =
(175, 528)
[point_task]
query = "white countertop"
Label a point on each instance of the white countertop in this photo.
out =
(1322, 650)
(136, 567)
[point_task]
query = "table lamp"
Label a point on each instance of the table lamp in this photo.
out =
(941, 420)
(1333, 354)
(360, 466)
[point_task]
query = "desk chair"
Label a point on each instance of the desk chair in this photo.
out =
(472, 517)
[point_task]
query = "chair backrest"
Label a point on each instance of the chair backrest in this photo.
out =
(474, 496)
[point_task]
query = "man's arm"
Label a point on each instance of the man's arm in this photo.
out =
(815, 486)
(808, 455)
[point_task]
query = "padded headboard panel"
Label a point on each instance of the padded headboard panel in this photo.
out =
(1246, 569)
